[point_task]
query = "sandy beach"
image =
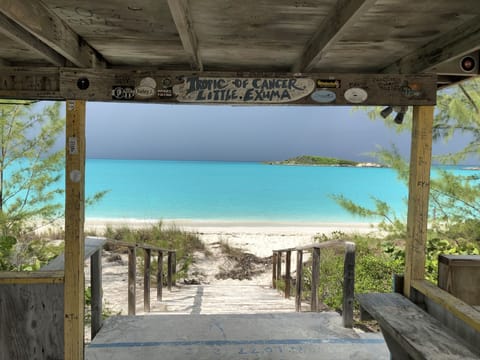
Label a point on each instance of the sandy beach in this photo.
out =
(256, 237)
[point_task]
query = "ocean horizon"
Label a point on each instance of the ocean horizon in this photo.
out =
(236, 191)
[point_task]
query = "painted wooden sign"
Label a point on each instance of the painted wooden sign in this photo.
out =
(242, 90)
(218, 87)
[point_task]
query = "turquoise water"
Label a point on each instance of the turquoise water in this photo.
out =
(146, 189)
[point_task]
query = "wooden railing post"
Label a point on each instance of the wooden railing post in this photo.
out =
(299, 284)
(96, 286)
(315, 278)
(146, 280)
(348, 285)
(132, 274)
(174, 268)
(169, 270)
(274, 270)
(279, 266)
(288, 260)
(160, 276)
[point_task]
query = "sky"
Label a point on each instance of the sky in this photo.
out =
(238, 133)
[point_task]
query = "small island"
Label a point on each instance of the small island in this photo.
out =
(312, 160)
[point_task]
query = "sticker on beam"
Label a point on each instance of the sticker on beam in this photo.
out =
(243, 90)
(323, 96)
(356, 95)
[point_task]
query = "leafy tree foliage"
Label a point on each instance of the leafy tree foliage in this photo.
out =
(454, 199)
(29, 170)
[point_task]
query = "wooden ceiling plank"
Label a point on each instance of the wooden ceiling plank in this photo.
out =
(4, 62)
(457, 42)
(43, 24)
(19, 35)
(336, 23)
(181, 16)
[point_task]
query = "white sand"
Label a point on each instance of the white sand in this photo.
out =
(257, 237)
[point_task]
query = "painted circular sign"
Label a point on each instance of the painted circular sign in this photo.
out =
(356, 95)
(323, 96)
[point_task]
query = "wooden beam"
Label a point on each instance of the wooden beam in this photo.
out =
(10, 29)
(31, 277)
(74, 230)
(4, 62)
(46, 26)
(457, 42)
(343, 14)
(419, 189)
(183, 21)
(223, 87)
(457, 307)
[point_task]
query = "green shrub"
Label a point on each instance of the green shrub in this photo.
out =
(374, 269)
(172, 238)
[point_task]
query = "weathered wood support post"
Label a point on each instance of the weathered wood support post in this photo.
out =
(132, 274)
(288, 276)
(74, 290)
(160, 275)
(299, 283)
(279, 266)
(96, 286)
(174, 268)
(418, 193)
(169, 270)
(274, 270)
(146, 279)
(315, 278)
(348, 285)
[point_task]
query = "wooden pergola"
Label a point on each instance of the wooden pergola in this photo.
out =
(303, 52)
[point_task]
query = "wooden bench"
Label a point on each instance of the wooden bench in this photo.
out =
(410, 332)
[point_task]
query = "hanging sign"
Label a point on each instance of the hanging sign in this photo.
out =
(243, 90)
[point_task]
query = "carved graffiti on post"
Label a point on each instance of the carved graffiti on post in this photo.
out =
(242, 90)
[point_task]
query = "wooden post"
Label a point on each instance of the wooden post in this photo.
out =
(146, 280)
(169, 270)
(174, 268)
(288, 279)
(279, 266)
(348, 285)
(299, 284)
(160, 275)
(315, 278)
(96, 285)
(74, 290)
(132, 274)
(418, 192)
(274, 270)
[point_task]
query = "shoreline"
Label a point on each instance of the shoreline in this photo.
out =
(235, 226)
(255, 237)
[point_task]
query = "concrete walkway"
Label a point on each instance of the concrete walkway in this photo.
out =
(241, 336)
(231, 321)
(223, 298)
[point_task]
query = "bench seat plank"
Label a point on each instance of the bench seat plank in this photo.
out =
(414, 330)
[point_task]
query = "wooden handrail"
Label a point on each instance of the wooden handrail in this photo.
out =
(137, 245)
(132, 271)
(348, 275)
